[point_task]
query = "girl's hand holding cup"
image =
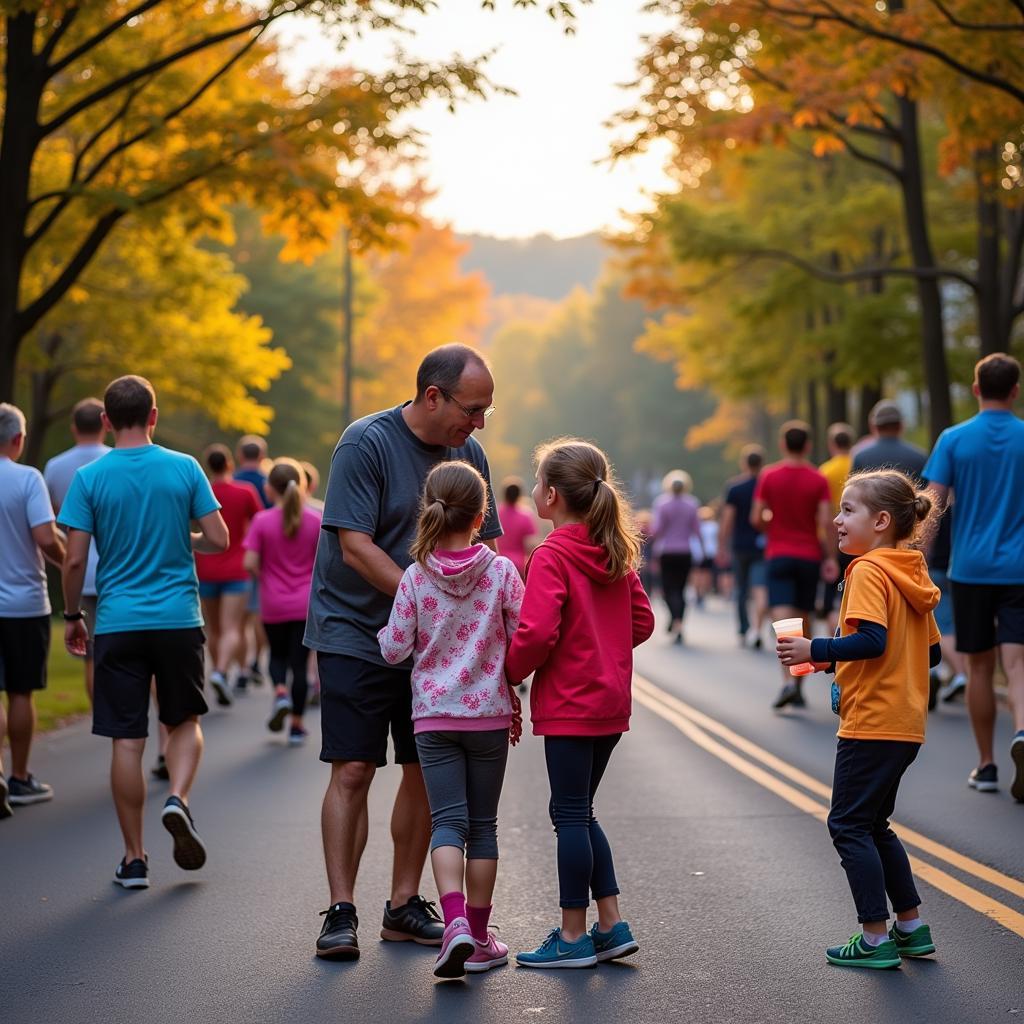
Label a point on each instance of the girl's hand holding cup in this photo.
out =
(793, 650)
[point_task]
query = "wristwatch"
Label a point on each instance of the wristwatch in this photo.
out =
(74, 616)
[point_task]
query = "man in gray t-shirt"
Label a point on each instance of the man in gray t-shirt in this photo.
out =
(371, 508)
(889, 450)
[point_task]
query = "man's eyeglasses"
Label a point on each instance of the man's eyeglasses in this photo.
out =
(470, 413)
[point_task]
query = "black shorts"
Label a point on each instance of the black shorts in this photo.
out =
(360, 703)
(986, 614)
(125, 664)
(831, 590)
(24, 648)
(793, 583)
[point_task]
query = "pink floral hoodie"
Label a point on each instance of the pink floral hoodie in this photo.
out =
(455, 616)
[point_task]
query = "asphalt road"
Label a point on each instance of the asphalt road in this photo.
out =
(733, 890)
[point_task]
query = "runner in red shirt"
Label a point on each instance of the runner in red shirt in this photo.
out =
(223, 581)
(793, 507)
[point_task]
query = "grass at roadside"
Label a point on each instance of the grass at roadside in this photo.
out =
(64, 697)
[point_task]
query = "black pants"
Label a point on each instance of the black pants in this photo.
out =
(576, 765)
(743, 563)
(867, 777)
(675, 571)
(287, 652)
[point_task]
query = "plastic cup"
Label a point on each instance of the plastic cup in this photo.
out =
(793, 627)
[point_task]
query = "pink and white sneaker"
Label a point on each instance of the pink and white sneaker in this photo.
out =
(489, 954)
(457, 946)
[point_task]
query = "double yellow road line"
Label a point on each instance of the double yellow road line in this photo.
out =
(806, 794)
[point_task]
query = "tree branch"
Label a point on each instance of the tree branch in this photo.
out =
(57, 34)
(833, 15)
(974, 26)
(100, 94)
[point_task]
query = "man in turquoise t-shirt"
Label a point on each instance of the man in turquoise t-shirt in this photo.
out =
(138, 502)
(982, 462)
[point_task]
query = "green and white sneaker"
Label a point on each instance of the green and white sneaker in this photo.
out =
(916, 943)
(554, 951)
(857, 953)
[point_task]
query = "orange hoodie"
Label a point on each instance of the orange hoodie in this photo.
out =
(886, 698)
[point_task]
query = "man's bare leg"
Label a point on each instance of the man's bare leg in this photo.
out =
(344, 823)
(128, 786)
(981, 702)
(410, 832)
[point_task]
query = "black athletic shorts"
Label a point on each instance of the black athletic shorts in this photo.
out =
(360, 703)
(986, 614)
(125, 664)
(24, 648)
(793, 583)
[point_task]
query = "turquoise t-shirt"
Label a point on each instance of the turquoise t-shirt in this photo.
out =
(138, 503)
(983, 461)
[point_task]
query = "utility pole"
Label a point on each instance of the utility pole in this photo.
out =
(346, 309)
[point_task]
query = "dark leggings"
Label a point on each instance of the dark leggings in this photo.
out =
(675, 571)
(575, 767)
(287, 652)
(864, 787)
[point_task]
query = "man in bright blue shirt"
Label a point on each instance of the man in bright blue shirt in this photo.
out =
(138, 502)
(982, 462)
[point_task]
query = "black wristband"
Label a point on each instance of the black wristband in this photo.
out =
(74, 616)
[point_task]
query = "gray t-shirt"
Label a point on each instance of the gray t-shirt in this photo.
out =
(58, 474)
(377, 474)
(891, 453)
(24, 505)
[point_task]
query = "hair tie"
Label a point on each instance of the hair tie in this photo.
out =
(291, 484)
(597, 483)
(442, 503)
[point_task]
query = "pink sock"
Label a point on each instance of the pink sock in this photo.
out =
(453, 905)
(478, 918)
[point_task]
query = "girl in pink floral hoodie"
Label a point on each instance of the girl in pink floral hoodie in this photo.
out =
(455, 612)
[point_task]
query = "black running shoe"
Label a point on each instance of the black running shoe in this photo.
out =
(5, 804)
(984, 779)
(789, 694)
(133, 875)
(29, 790)
(417, 921)
(189, 852)
(159, 770)
(338, 939)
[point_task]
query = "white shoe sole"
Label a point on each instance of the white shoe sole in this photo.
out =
(626, 949)
(479, 968)
(25, 801)
(583, 961)
(132, 883)
(984, 787)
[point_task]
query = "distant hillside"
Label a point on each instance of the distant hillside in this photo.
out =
(546, 267)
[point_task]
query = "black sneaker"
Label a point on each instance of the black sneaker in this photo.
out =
(189, 852)
(798, 701)
(255, 675)
(28, 791)
(789, 694)
(159, 770)
(984, 779)
(5, 804)
(1017, 756)
(934, 685)
(338, 939)
(417, 921)
(133, 875)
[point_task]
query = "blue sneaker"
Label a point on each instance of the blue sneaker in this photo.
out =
(556, 952)
(612, 944)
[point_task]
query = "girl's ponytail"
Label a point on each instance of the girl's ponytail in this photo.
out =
(580, 472)
(454, 495)
(288, 479)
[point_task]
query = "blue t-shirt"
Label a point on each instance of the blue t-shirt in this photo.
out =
(258, 480)
(983, 461)
(138, 504)
(745, 538)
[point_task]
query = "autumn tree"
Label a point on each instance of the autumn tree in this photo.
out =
(156, 108)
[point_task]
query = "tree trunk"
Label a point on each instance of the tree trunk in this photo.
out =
(41, 415)
(987, 296)
(22, 93)
(929, 295)
(814, 416)
(869, 395)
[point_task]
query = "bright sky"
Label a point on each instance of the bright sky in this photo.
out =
(521, 165)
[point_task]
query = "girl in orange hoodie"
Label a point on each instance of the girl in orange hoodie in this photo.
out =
(886, 642)
(583, 613)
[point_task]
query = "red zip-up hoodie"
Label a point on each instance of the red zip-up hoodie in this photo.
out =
(577, 631)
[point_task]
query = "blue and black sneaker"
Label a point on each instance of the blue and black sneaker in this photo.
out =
(133, 874)
(554, 951)
(615, 943)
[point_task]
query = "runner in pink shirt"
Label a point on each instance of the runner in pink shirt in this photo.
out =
(518, 526)
(280, 549)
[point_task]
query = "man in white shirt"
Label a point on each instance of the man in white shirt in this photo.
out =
(87, 431)
(27, 533)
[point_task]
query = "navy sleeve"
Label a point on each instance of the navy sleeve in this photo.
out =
(934, 656)
(867, 642)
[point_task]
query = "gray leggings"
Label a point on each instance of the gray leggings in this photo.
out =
(463, 773)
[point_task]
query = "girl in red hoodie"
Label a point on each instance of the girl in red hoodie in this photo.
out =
(583, 613)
